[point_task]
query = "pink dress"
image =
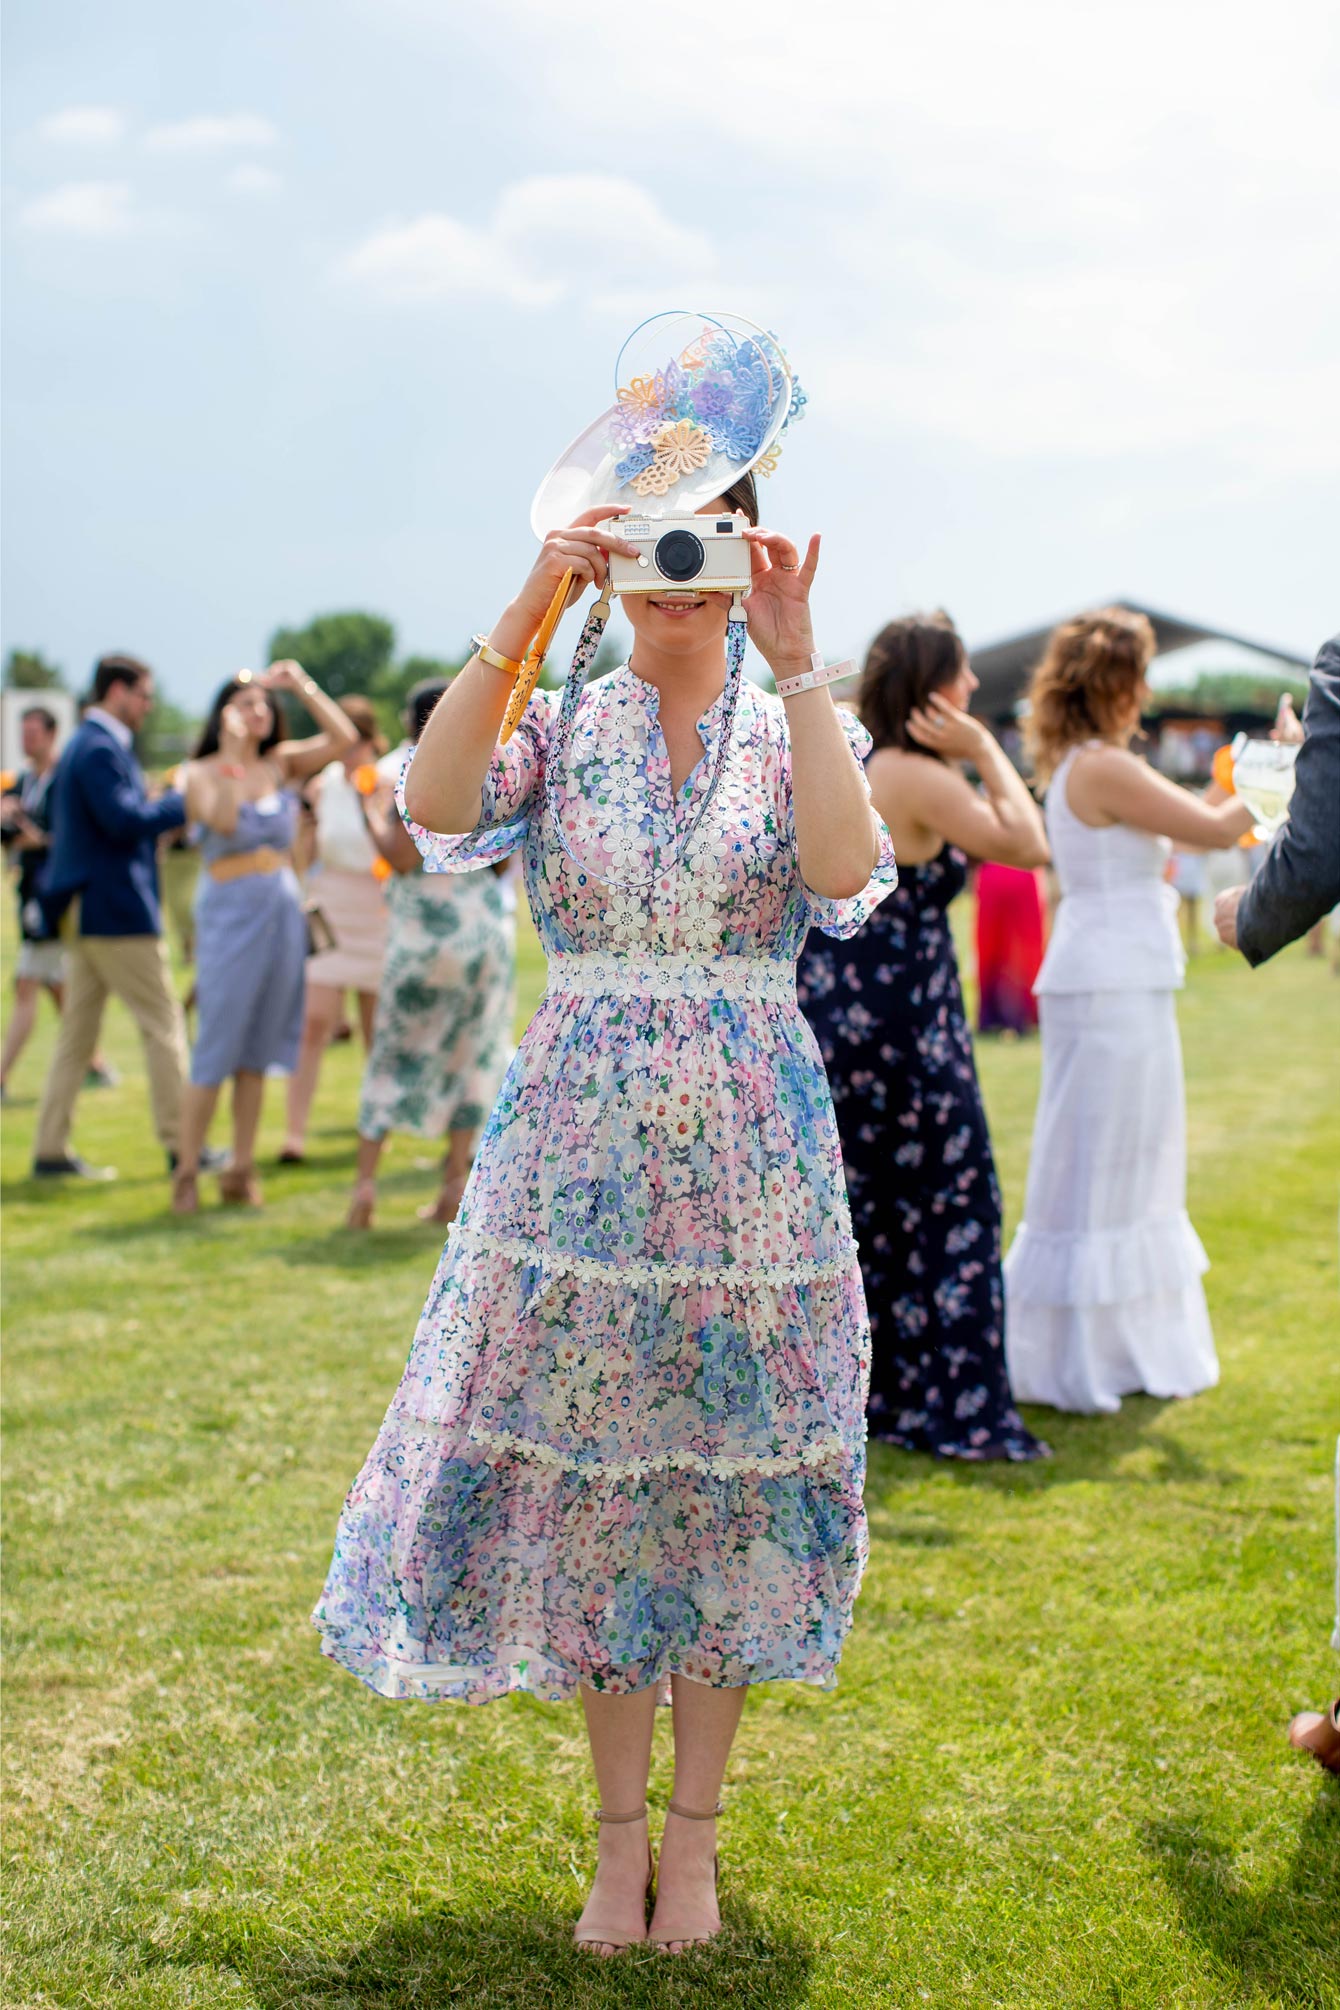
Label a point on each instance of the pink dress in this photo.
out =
(630, 1439)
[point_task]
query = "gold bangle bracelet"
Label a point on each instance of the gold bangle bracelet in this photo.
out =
(494, 658)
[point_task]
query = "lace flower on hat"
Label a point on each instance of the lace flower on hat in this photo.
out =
(681, 449)
(633, 463)
(641, 410)
(719, 394)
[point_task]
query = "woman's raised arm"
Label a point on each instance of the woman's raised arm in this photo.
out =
(1109, 785)
(837, 833)
(444, 786)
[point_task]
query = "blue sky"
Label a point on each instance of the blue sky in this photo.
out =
(302, 300)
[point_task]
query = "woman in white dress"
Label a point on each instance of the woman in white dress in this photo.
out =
(1103, 1281)
(348, 885)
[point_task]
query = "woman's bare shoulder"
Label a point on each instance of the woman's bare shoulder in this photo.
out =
(899, 761)
(1100, 757)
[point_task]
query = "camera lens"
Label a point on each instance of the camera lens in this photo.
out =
(680, 556)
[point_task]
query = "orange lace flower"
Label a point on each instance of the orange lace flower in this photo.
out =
(680, 449)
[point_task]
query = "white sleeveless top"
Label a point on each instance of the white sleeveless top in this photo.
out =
(342, 841)
(1116, 927)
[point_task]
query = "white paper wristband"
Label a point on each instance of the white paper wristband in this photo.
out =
(811, 679)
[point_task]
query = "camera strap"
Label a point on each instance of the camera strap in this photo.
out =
(566, 725)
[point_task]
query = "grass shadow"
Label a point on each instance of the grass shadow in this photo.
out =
(1083, 1448)
(1280, 1940)
(365, 1249)
(516, 1956)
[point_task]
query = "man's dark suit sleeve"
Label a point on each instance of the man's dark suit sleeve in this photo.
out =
(118, 806)
(1299, 878)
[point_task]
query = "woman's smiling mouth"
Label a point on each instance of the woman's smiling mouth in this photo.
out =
(678, 606)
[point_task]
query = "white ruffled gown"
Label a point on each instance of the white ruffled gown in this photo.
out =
(1103, 1280)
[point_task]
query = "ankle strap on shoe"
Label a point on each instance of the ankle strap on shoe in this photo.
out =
(640, 1814)
(692, 1814)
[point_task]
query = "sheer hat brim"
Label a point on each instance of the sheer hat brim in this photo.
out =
(701, 400)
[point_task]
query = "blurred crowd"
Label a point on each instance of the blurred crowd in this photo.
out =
(283, 871)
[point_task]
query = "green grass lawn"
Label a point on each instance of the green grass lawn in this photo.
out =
(1054, 1771)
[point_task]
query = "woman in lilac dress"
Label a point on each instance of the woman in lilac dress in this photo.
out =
(888, 1014)
(251, 936)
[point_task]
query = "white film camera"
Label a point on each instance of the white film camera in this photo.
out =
(698, 554)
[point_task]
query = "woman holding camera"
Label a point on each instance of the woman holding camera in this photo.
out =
(1104, 1275)
(888, 1014)
(626, 1458)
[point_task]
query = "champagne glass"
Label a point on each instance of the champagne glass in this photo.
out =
(1263, 775)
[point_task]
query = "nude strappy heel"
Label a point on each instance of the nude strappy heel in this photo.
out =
(599, 1936)
(693, 1939)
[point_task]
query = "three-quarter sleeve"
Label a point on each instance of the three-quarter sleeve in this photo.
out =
(511, 795)
(844, 917)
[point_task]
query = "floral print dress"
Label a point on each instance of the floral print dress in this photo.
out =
(629, 1440)
(443, 1032)
(888, 1014)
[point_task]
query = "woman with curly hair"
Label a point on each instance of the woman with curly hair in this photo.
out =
(1103, 1279)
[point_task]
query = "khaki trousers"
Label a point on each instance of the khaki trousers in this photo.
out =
(133, 968)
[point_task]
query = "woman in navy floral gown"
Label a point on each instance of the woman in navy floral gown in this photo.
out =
(888, 1014)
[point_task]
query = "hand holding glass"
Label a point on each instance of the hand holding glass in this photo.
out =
(1263, 775)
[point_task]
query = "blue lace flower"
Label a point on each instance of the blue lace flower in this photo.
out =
(641, 457)
(713, 397)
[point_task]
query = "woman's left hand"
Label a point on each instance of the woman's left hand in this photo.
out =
(943, 728)
(284, 676)
(778, 602)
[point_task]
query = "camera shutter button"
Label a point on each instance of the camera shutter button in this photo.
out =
(642, 558)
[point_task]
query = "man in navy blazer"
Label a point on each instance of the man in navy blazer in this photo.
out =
(1297, 883)
(102, 878)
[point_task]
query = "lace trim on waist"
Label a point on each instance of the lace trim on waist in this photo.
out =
(673, 975)
(613, 1270)
(681, 1458)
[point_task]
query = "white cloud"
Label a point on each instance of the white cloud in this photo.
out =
(547, 235)
(85, 126)
(559, 226)
(437, 258)
(250, 179)
(82, 209)
(211, 134)
(1037, 229)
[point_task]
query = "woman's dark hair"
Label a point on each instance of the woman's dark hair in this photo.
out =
(742, 495)
(420, 703)
(208, 742)
(109, 670)
(906, 662)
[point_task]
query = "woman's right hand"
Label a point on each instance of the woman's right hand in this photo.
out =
(944, 729)
(577, 548)
(234, 739)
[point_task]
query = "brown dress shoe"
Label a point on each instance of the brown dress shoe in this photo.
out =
(1318, 1732)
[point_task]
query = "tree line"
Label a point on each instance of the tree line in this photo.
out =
(345, 653)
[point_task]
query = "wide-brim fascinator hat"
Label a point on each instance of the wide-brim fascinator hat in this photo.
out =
(699, 401)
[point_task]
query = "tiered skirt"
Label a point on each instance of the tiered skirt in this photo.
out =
(1103, 1281)
(629, 1441)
